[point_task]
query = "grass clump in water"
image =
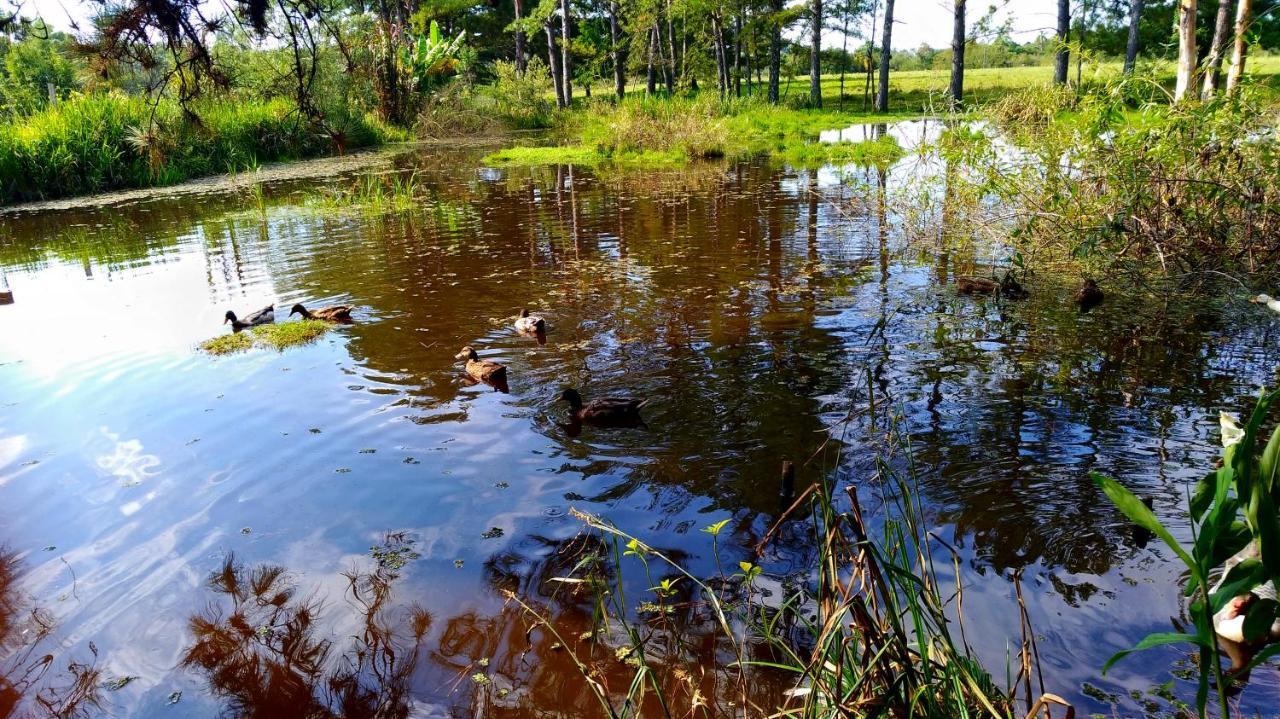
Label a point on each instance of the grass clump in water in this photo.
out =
(277, 337)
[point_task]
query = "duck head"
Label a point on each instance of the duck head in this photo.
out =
(524, 313)
(1090, 284)
(298, 309)
(229, 317)
(572, 397)
(467, 353)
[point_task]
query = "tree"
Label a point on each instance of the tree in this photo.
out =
(1243, 17)
(1186, 50)
(619, 52)
(1213, 65)
(1131, 48)
(815, 54)
(566, 71)
(1062, 59)
(886, 48)
(956, 90)
(775, 47)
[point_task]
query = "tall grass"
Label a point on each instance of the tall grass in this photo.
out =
(93, 143)
(873, 631)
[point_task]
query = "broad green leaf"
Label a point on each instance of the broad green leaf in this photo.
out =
(1153, 640)
(1257, 623)
(1263, 656)
(1270, 463)
(1203, 495)
(1139, 514)
(1243, 577)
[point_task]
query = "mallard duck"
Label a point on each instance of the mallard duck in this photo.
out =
(266, 315)
(1010, 289)
(334, 313)
(483, 370)
(976, 286)
(530, 323)
(1089, 296)
(1228, 623)
(604, 410)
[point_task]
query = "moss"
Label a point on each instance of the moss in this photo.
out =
(274, 336)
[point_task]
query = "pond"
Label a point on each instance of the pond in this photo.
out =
(759, 308)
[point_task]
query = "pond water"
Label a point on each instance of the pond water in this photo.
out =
(756, 306)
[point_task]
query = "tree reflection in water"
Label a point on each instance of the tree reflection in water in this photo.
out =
(260, 648)
(26, 690)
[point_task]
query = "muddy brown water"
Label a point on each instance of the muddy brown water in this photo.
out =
(754, 314)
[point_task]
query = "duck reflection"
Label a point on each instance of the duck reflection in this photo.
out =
(260, 648)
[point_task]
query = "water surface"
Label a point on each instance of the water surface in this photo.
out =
(757, 306)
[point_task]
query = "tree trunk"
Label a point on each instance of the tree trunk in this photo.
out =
(956, 91)
(671, 52)
(1243, 17)
(1063, 59)
(553, 59)
(566, 71)
(1084, 22)
(844, 55)
(775, 49)
(667, 80)
(619, 55)
(521, 61)
(737, 53)
(1186, 50)
(651, 78)
(886, 50)
(815, 55)
(1213, 64)
(1131, 50)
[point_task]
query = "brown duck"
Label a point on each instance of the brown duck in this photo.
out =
(483, 370)
(1089, 296)
(977, 286)
(617, 411)
(335, 313)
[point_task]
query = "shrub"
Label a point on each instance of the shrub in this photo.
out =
(523, 100)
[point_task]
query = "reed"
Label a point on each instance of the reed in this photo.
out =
(871, 632)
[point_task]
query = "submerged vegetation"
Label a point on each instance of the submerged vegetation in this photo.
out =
(278, 337)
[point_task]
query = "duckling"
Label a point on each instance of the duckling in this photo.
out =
(334, 313)
(266, 315)
(617, 411)
(530, 323)
(483, 370)
(1010, 288)
(976, 286)
(1089, 296)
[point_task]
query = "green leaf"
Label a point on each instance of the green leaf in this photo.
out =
(1139, 514)
(1270, 463)
(1153, 640)
(714, 529)
(746, 566)
(1257, 623)
(1243, 577)
(1203, 495)
(1263, 656)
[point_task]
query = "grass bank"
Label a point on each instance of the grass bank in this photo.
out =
(95, 143)
(667, 131)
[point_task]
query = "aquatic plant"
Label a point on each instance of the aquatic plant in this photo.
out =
(273, 336)
(870, 633)
(1232, 506)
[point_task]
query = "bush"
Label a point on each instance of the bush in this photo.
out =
(94, 143)
(524, 100)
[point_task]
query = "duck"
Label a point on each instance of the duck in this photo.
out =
(483, 370)
(976, 286)
(1228, 622)
(619, 411)
(333, 313)
(1089, 296)
(266, 315)
(1010, 288)
(530, 323)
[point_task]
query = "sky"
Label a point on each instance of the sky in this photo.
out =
(917, 22)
